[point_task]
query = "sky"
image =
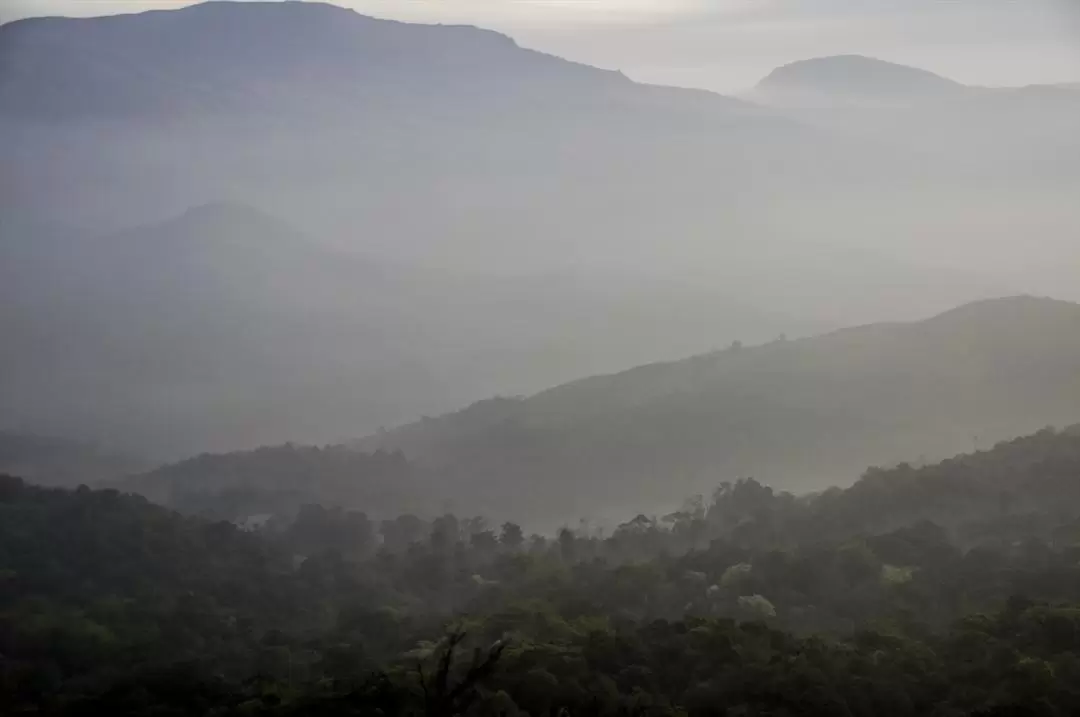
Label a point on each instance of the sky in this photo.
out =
(727, 45)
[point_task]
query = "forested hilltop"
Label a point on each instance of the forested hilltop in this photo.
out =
(950, 589)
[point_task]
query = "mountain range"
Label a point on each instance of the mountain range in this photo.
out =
(803, 414)
(237, 224)
(226, 328)
(343, 126)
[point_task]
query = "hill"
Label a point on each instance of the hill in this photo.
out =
(799, 414)
(227, 328)
(855, 77)
(967, 126)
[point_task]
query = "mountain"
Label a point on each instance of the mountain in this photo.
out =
(230, 57)
(799, 414)
(345, 100)
(455, 147)
(898, 103)
(1010, 155)
(226, 328)
(239, 224)
(854, 77)
(968, 125)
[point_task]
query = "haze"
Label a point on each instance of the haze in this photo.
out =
(526, 358)
(233, 225)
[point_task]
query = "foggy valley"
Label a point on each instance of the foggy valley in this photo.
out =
(342, 350)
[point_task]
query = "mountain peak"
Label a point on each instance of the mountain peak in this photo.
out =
(1023, 312)
(855, 76)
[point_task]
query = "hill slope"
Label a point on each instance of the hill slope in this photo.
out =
(278, 480)
(799, 414)
(226, 328)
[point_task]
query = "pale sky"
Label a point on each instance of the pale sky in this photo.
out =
(727, 45)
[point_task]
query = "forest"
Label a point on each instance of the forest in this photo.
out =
(946, 589)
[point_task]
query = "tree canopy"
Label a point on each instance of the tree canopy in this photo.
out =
(951, 589)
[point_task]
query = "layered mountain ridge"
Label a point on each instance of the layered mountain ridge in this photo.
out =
(801, 414)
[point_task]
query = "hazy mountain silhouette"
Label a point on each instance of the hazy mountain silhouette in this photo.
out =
(226, 328)
(902, 104)
(854, 77)
(1001, 161)
(552, 197)
(233, 57)
(802, 414)
(455, 147)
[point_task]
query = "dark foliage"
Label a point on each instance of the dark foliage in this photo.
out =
(952, 589)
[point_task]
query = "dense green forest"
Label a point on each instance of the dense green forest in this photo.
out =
(950, 589)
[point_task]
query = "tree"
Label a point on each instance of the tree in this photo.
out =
(443, 699)
(511, 536)
(401, 532)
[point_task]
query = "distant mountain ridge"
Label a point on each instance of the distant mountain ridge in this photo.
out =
(405, 141)
(856, 76)
(799, 414)
(269, 56)
(578, 222)
(227, 328)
